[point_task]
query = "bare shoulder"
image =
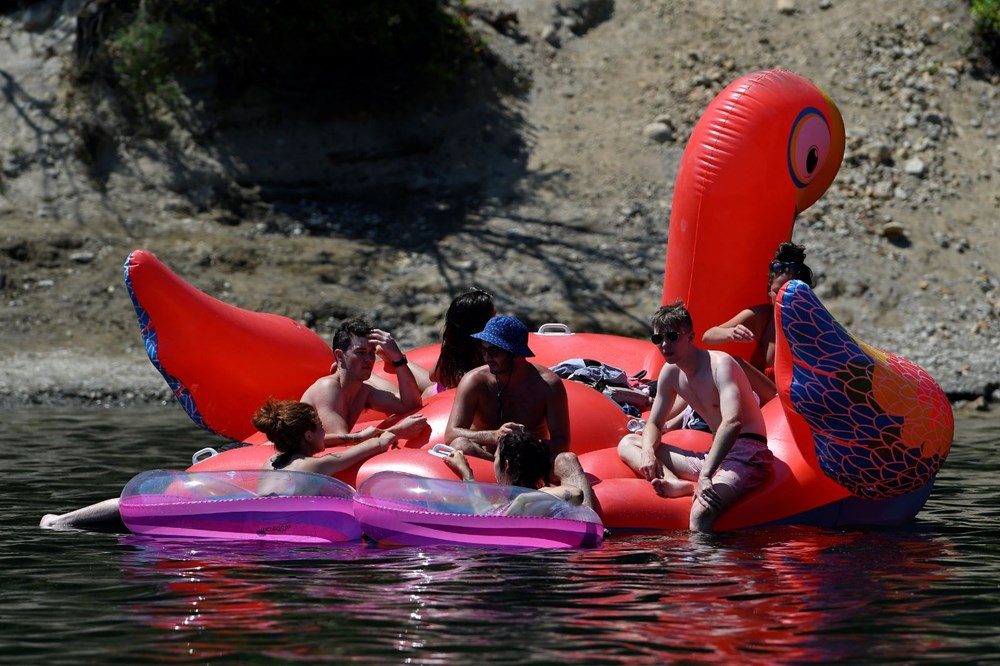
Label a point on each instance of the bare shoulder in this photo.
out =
(722, 361)
(474, 380)
(549, 377)
(319, 388)
(725, 368)
(476, 376)
(668, 373)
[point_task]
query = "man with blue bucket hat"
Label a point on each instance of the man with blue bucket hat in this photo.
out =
(510, 393)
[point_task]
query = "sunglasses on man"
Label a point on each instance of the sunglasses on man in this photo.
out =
(657, 338)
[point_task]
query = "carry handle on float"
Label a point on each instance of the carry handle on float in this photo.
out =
(207, 452)
(441, 450)
(554, 329)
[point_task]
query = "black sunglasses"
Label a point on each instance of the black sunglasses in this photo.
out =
(786, 267)
(657, 338)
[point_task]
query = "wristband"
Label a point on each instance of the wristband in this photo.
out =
(400, 363)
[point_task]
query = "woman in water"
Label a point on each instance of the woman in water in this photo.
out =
(296, 432)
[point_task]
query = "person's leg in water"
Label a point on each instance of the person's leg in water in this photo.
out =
(100, 515)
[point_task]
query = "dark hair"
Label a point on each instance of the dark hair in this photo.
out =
(526, 459)
(789, 260)
(286, 423)
(349, 329)
(467, 314)
(673, 317)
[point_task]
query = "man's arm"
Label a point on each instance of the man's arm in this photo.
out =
(463, 413)
(730, 406)
(652, 432)
(557, 416)
(409, 397)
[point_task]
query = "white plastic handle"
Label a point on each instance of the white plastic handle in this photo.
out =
(554, 329)
(197, 457)
(441, 450)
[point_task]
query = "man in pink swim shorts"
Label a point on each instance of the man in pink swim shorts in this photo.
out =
(713, 384)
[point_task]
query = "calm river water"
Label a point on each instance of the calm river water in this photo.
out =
(925, 594)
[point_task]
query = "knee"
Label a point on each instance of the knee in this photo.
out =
(461, 444)
(566, 462)
(627, 443)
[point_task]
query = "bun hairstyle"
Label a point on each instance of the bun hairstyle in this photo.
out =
(525, 459)
(286, 423)
(789, 260)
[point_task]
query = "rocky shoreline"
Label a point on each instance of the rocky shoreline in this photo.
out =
(61, 379)
(552, 190)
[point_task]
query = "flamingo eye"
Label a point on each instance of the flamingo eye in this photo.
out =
(808, 146)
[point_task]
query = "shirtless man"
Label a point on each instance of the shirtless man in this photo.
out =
(715, 386)
(512, 394)
(340, 397)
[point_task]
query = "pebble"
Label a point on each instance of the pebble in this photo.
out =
(658, 132)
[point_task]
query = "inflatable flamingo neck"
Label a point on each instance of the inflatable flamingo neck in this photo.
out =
(765, 149)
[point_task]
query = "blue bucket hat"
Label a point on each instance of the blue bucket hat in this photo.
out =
(507, 333)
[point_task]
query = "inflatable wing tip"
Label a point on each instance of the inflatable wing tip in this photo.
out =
(880, 425)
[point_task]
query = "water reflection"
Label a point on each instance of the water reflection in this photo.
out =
(765, 596)
(774, 595)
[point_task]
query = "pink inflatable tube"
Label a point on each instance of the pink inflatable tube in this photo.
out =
(401, 509)
(256, 505)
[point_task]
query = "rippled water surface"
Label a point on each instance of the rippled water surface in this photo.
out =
(925, 594)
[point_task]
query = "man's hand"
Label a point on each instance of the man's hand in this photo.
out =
(411, 426)
(649, 464)
(506, 428)
(385, 345)
(386, 441)
(705, 492)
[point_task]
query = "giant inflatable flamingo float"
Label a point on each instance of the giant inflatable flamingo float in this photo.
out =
(858, 434)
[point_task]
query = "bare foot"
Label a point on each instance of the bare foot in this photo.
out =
(49, 520)
(672, 487)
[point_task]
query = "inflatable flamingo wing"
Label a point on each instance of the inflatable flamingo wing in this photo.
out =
(878, 425)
